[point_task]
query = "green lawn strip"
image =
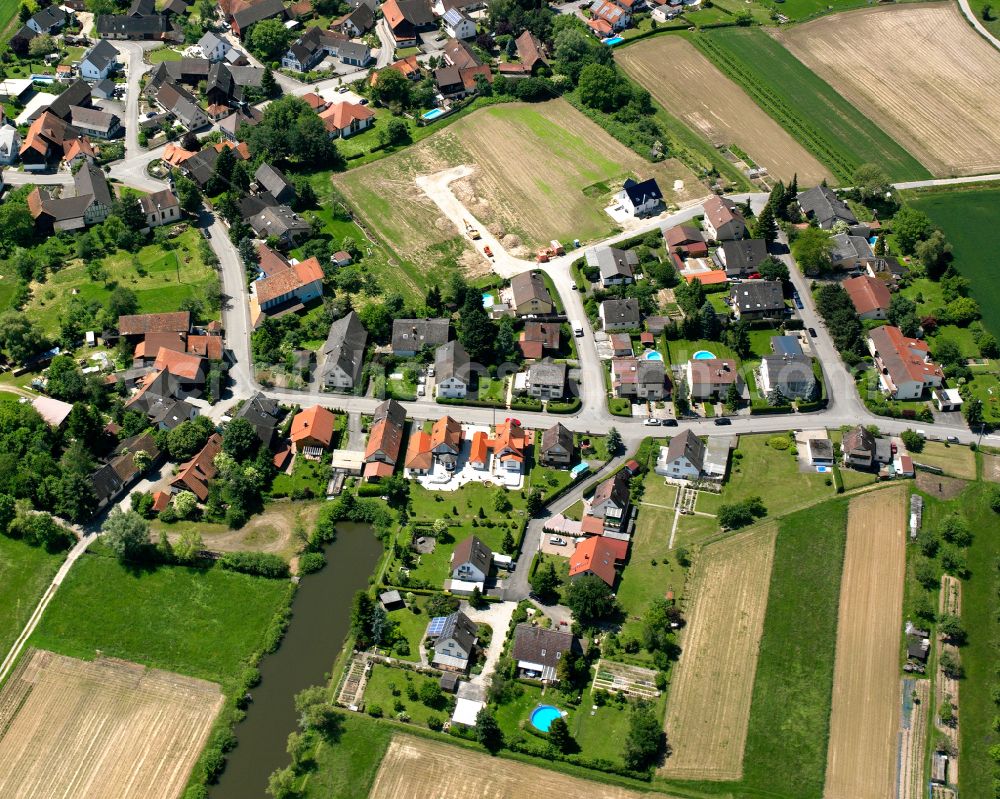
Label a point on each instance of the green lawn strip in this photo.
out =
(412, 626)
(346, 768)
(601, 733)
(205, 623)
(25, 573)
(388, 688)
(980, 609)
(790, 713)
(308, 478)
(806, 106)
(694, 530)
(8, 18)
(681, 350)
(968, 219)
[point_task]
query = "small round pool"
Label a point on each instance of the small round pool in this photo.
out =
(543, 716)
(703, 355)
(652, 355)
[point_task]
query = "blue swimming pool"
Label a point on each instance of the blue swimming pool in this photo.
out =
(613, 41)
(652, 355)
(703, 355)
(434, 113)
(488, 300)
(543, 716)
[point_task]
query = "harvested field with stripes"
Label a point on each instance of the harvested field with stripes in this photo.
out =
(726, 115)
(865, 717)
(710, 696)
(416, 768)
(102, 729)
(913, 738)
(936, 95)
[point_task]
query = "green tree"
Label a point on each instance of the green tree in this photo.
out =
(764, 226)
(488, 731)
(185, 440)
(534, 504)
(545, 582)
(122, 302)
(391, 89)
(559, 735)
(504, 345)
(65, 379)
(269, 39)
(17, 228)
(739, 338)
(682, 402)
(950, 626)
(871, 181)
(240, 440)
(973, 411)
(732, 398)
(281, 783)
(773, 269)
(603, 88)
(268, 85)
(475, 330)
(187, 194)
(812, 249)
(910, 226)
(645, 740)
(394, 133)
(18, 335)
(903, 314)
(614, 441)
(41, 46)
(912, 440)
(125, 533)
(710, 326)
(7, 512)
(590, 599)
(932, 253)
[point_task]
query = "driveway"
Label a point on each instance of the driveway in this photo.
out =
(497, 615)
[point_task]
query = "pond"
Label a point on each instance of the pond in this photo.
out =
(320, 620)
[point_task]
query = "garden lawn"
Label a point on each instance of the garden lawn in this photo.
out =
(346, 768)
(954, 459)
(602, 735)
(642, 581)
(204, 623)
(758, 469)
(980, 611)
(162, 280)
(806, 106)
(657, 491)
(379, 691)
(515, 714)
(412, 627)
(308, 479)
(548, 480)
(968, 219)
(681, 350)
(162, 54)
(790, 714)
(695, 529)
(25, 573)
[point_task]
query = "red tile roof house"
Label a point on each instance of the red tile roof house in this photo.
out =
(136, 326)
(188, 369)
(195, 475)
(870, 296)
(712, 377)
(346, 119)
(593, 556)
(538, 337)
(616, 16)
(419, 458)
(384, 440)
(284, 287)
(723, 221)
(904, 364)
(313, 427)
(687, 241)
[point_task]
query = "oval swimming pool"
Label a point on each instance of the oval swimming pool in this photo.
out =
(543, 716)
(703, 355)
(652, 355)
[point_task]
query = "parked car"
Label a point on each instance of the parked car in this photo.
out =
(556, 541)
(952, 440)
(651, 422)
(723, 420)
(812, 332)
(798, 302)
(669, 423)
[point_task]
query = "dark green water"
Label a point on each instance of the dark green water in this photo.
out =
(321, 617)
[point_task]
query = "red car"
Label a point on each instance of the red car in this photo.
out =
(488, 251)
(754, 276)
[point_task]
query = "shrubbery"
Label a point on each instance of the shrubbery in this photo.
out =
(261, 564)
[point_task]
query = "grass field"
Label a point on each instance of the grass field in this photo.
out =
(726, 115)
(8, 18)
(385, 680)
(980, 611)
(203, 623)
(421, 769)
(804, 105)
(864, 721)
(346, 768)
(936, 97)
(712, 688)
(511, 147)
(968, 219)
(101, 729)
(790, 713)
(160, 279)
(956, 461)
(25, 573)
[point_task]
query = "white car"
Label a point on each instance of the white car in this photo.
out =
(556, 541)
(651, 422)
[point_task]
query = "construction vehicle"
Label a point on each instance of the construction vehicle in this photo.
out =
(471, 231)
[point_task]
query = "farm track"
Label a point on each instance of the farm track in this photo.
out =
(710, 696)
(416, 768)
(105, 729)
(937, 94)
(864, 720)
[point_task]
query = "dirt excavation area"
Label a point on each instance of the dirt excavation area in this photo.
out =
(105, 729)
(937, 93)
(694, 89)
(864, 720)
(415, 768)
(710, 694)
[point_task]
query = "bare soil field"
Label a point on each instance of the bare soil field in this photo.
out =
(416, 768)
(105, 729)
(913, 738)
(946, 688)
(724, 115)
(939, 486)
(710, 695)
(532, 164)
(864, 720)
(936, 95)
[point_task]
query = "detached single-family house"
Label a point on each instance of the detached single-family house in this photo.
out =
(757, 299)
(312, 428)
(537, 338)
(620, 314)
(407, 19)
(355, 23)
(538, 651)
(822, 204)
(344, 354)
(741, 258)
(213, 47)
(454, 641)
(452, 370)
(617, 267)
(792, 375)
(268, 178)
(242, 20)
(611, 501)
(263, 414)
(850, 252)
(711, 378)
(48, 20)
(615, 16)
(160, 207)
(869, 295)
(529, 294)
(284, 289)
(531, 53)
(683, 459)
(686, 241)
(458, 25)
(10, 144)
(279, 221)
(594, 556)
(640, 198)
(195, 475)
(99, 61)
(905, 367)
(446, 442)
(384, 440)
(95, 123)
(345, 119)
(547, 379)
(858, 447)
(556, 447)
(310, 48)
(471, 560)
(723, 220)
(410, 336)
(419, 458)
(638, 378)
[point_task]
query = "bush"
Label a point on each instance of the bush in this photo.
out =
(310, 562)
(261, 564)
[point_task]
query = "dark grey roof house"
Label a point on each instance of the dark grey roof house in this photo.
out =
(822, 204)
(410, 336)
(538, 651)
(344, 354)
(741, 258)
(755, 299)
(274, 181)
(263, 414)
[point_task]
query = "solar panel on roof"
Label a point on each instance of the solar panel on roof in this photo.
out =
(436, 625)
